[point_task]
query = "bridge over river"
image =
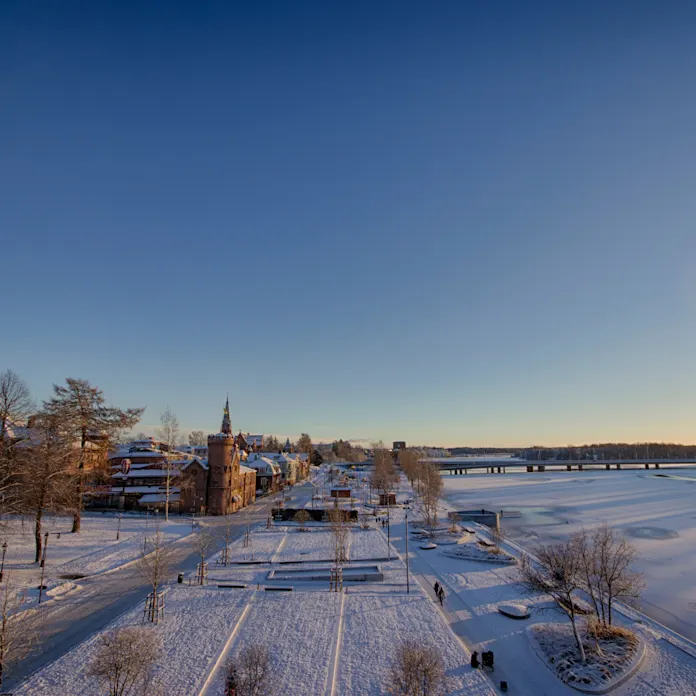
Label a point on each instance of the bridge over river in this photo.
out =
(501, 466)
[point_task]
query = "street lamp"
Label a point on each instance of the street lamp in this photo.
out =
(118, 529)
(2, 565)
(408, 585)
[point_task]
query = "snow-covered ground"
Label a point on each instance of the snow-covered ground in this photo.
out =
(653, 509)
(93, 550)
(321, 642)
(197, 623)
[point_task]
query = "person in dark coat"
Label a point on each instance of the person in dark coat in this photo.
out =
(441, 595)
(474, 660)
(436, 587)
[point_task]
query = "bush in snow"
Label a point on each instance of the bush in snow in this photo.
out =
(251, 673)
(417, 670)
(125, 660)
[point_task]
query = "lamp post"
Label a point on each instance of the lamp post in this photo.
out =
(408, 585)
(2, 565)
(118, 529)
(388, 529)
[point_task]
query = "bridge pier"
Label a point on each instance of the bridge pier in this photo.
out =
(541, 467)
(581, 467)
(607, 467)
(530, 469)
(647, 466)
(618, 467)
(498, 469)
(568, 467)
(657, 466)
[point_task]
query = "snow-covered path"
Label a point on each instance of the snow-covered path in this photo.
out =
(481, 627)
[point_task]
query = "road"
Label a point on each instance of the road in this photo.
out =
(63, 623)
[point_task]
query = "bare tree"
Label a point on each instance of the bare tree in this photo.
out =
(204, 544)
(169, 434)
(155, 565)
(558, 574)
(614, 558)
(430, 491)
(81, 409)
(302, 517)
(384, 475)
(197, 438)
(125, 661)
(15, 639)
(251, 674)
(15, 401)
(340, 533)
(225, 534)
(45, 475)
(417, 670)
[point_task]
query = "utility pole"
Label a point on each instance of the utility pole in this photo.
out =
(388, 529)
(118, 529)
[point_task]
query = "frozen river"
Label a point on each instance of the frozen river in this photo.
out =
(656, 511)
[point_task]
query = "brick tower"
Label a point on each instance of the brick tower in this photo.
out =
(223, 468)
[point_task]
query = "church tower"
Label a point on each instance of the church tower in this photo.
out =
(223, 468)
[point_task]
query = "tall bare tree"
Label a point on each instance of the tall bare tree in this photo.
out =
(607, 566)
(169, 434)
(85, 417)
(16, 640)
(125, 659)
(417, 670)
(15, 401)
(204, 544)
(46, 475)
(197, 438)
(384, 475)
(430, 491)
(340, 534)
(155, 565)
(558, 574)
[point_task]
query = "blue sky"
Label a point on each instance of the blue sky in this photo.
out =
(450, 223)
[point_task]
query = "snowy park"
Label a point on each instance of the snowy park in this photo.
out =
(320, 641)
(104, 543)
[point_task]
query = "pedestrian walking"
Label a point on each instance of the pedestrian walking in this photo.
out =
(436, 587)
(442, 595)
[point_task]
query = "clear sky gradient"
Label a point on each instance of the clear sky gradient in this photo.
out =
(454, 223)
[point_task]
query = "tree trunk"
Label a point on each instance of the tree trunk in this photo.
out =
(37, 533)
(573, 621)
(77, 517)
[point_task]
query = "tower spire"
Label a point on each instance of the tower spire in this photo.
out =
(226, 420)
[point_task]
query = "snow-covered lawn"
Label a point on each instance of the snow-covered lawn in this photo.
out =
(373, 626)
(367, 544)
(196, 626)
(264, 544)
(299, 630)
(94, 549)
